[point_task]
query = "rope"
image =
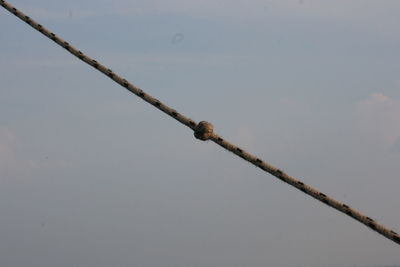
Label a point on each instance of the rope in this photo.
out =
(204, 131)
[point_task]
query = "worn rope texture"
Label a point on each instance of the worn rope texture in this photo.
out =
(204, 131)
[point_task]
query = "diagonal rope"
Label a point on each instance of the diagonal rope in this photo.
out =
(204, 131)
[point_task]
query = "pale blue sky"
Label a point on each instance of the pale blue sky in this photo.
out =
(92, 176)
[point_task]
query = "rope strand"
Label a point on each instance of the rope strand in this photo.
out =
(204, 131)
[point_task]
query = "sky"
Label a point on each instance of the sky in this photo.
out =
(90, 175)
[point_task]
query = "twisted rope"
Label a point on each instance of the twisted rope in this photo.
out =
(204, 131)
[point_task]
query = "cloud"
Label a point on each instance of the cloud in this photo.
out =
(244, 137)
(396, 146)
(10, 164)
(355, 11)
(378, 120)
(368, 15)
(17, 164)
(7, 150)
(46, 13)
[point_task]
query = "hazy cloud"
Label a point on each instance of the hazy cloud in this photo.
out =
(379, 119)
(396, 146)
(15, 163)
(244, 136)
(7, 150)
(10, 163)
(46, 13)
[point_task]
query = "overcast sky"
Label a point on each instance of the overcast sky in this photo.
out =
(92, 176)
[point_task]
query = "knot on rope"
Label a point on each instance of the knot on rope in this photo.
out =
(203, 130)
